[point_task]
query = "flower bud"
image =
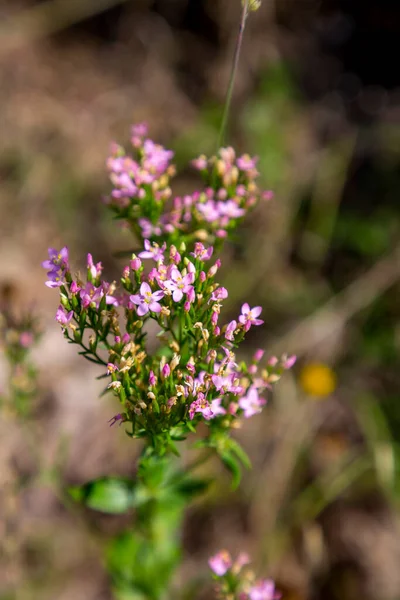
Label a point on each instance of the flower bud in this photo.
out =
(175, 361)
(258, 355)
(135, 263)
(252, 4)
(166, 371)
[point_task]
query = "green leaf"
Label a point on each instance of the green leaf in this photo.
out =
(237, 449)
(109, 494)
(192, 486)
(233, 466)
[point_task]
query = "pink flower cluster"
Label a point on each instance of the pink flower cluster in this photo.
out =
(211, 385)
(230, 190)
(229, 574)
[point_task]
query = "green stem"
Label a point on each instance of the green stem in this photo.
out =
(235, 63)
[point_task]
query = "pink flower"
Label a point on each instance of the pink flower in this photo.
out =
(57, 259)
(263, 590)
(258, 355)
(91, 295)
(230, 209)
(178, 284)
(200, 163)
(63, 317)
(201, 405)
(57, 265)
(220, 563)
(246, 163)
(230, 330)
(251, 404)
(147, 300)
(95, 270)
(153, 251)
(216, 408)
(201, 252)
(219, 294)
(26, 339)
(156, 157)
(249, 316)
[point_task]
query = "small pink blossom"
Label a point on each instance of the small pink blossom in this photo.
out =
(246, 162)
(153, 251)
(251, 404)
(26, 339)
(263, 590)
(258, 355)
(220, 563)
(200, 163)
(219, 294)
(201, 405)
(216, 407)
(179, 284)
(95, 270)
(74, 288)
(201, 252)
(249, 316)
(63, 317)
(147, 300)
(230, 330)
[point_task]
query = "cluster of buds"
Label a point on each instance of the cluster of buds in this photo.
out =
(194, 376)
(236, 582)
(141, 191)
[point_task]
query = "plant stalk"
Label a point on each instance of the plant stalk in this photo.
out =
(229, 94)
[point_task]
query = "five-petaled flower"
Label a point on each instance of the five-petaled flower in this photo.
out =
(249, 316)
(57, 266)
(179, 284)
(153, 251)
(63, 317)
(147, 300)
(251, 404)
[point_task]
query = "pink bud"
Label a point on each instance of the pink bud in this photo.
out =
(135, 264)
(289, 362)
(202, 276)
(74, 289)
(166, 371)
(117, 339)
(258, 355)
(126, 338)
(125, 272)
(191, 268)
(186, 306)
(191, 295)
(152, 378)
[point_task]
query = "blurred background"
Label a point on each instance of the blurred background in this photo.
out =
(317, 98)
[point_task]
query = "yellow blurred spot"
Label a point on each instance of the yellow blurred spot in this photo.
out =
(317, 379)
